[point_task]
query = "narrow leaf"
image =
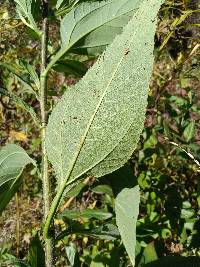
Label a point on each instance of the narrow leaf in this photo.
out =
(189, 131)
(70, 67)
(15, 72)
(87, 213)
(24, 10)
(7, 191)
(149, 254)
(13, 160)
(36, 257)
(105, 232)
(127, 210)
(17, 100)
(71, 252)
(32, 73)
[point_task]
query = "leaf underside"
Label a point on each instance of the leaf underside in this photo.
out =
(95, 127)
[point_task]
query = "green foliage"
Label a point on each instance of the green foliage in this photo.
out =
(127, 211)
(36, 256)
(113, 93)
(84, 18)
(18, 101)
(92, 16)
(13, 160)
(25, 11)
(166, 165)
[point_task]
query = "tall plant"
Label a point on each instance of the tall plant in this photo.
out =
(95, 127)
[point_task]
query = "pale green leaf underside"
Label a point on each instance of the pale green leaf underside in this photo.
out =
(127, 210)
(95, 127)
(13, 159)
(89, 16)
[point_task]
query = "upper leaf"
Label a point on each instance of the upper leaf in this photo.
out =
(24, 10)
(90, 16)
(97, 40)
(95, 127)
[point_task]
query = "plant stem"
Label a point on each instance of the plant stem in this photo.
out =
(43, 106)
(17, 224)
(54, 206)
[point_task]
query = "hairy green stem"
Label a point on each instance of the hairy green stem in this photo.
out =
(43, 106)
(54, 207)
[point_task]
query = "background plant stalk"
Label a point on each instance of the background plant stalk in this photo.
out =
(47, 194)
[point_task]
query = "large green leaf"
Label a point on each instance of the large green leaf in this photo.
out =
(13, 160)
(175, 261)
(89, 16)
(127, 210)
(25, 11)
(95, 127)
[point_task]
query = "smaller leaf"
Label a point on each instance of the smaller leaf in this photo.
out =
(32, 73)
(103, 189)
(15, 71)
(71, 253)
(105, 232)
(7, 191)
(87, 213)
(70, 67)
(24, 10)
(74, 192)
(13, 160)
(127, 210)
(149, 254)
(17, 100)
(36, 256)
(189, 131)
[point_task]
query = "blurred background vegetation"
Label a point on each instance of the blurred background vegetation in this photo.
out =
(165, 163)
